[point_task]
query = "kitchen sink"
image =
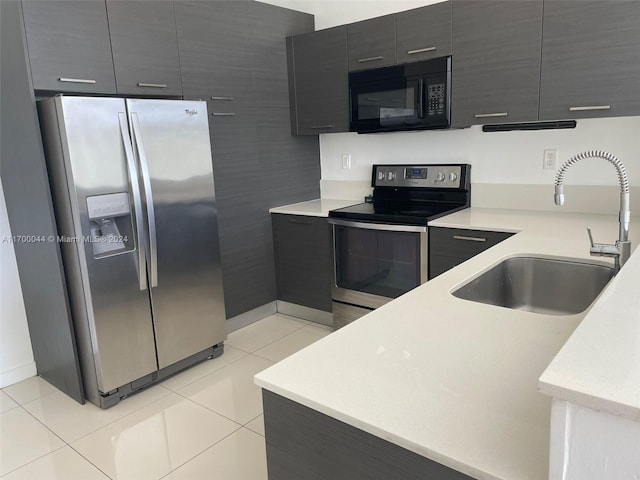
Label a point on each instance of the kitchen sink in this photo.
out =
(540, 285)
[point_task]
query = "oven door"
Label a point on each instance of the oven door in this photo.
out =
(374, 263)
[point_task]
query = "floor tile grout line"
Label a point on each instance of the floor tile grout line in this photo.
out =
(34, 460)
(270, 343)
(200, 453)
(211, 372)
(279, 338)
(169, 392)
(211, 409)
(282, 338)
(34, 399)
(96, 466)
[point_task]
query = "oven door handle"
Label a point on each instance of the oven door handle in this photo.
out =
(378, 226)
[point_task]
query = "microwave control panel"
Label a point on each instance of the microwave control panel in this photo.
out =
(428, 176)
(435, 99)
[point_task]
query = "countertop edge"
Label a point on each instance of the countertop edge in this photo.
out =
(319, 207)
(401, 442)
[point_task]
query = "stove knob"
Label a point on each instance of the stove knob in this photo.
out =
(391, 176)
(380, 175)
(453, 177)
(440, 177)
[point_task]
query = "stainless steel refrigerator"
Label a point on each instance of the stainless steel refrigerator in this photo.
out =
(133, 189)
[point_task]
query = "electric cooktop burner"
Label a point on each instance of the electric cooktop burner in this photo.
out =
(412, 194)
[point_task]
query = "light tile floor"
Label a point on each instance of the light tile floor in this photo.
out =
(203, 423)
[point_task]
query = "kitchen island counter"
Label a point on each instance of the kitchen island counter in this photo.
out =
(452, 380)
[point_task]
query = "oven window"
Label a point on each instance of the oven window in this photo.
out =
(379, 262)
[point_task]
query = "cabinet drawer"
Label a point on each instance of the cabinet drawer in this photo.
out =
(461, 243)
(449, 247)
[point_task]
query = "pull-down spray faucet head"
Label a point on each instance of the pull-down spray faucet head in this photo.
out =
(622, 247)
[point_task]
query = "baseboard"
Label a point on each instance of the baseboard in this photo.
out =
(18, 374)
(252, 316)
(305, 313)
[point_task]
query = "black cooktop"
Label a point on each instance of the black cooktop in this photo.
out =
(400, 213)
(412, 194)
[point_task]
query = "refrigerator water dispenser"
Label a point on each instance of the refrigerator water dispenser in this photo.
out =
(110, 224)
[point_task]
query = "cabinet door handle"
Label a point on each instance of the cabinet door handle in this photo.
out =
(589, 107)
(469, 239)
(152, 85)
(226, 99)
(223, 114)
(421, 50)
(300, 222)
(320, 127)
(76, 80)
(489, 115)
(370, 59)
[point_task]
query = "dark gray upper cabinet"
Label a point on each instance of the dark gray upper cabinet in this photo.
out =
(270, 25)
(496, 61)
(372, 43)
(590, 59)
(215, 50)
(318, 82)
(145, 47)
(68, 45)
(423, 33)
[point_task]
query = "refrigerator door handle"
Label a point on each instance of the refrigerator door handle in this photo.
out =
(137, 202)
(146, 182)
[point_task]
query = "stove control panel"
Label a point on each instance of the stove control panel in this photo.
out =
(426, 176)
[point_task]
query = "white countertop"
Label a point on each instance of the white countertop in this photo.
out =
(314, 208)
(453, 380)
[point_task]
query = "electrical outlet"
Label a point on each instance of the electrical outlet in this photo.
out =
(550, 159)
(346, 162)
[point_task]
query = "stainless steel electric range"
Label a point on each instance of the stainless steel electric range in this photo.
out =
(381, 247)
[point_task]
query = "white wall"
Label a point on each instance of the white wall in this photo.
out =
(16, 356)
(500, 157)
(330, 13)
(505, 157)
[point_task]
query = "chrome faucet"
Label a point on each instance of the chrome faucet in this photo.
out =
(621, 250)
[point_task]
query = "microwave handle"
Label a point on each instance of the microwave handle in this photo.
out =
(421, 99)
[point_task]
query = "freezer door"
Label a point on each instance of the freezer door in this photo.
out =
(106, 272)
(171, 140)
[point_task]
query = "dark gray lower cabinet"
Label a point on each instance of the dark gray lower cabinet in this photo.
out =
(449, 247)
(303, 260)
(303, 444)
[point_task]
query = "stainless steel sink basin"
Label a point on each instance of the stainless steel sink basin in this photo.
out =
(541, 285)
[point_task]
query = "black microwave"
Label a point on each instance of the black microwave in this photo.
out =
(413, 96)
